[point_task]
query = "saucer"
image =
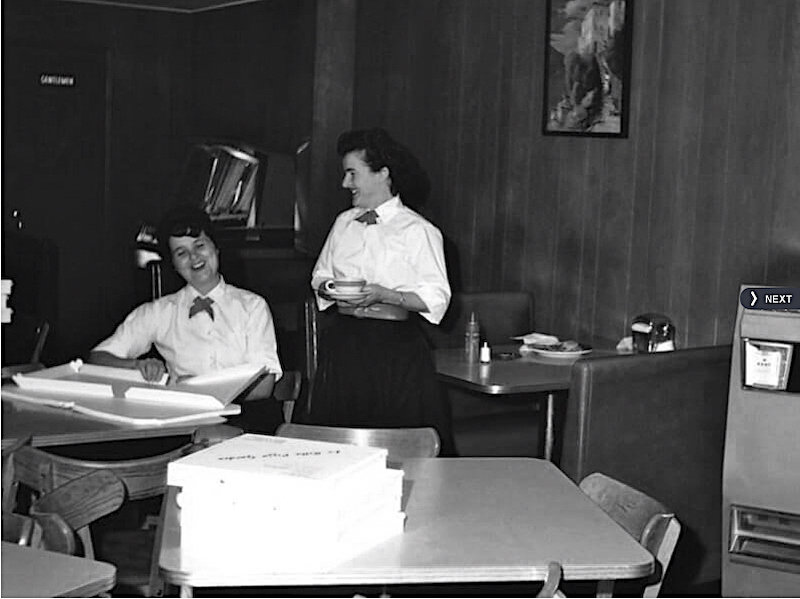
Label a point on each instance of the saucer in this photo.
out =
(347, 295)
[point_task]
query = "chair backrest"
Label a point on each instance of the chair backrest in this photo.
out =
(21, 530)
(24, 339)
(287, 391)
(402, 443)
(54, 518)
(44, 471)
(552, 581)
(501, 315)
(644, 518)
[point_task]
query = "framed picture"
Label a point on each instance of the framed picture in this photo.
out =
(587, 67)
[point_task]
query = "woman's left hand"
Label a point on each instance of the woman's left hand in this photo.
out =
(374, 294)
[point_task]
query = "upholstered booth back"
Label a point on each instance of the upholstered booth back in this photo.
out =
(657, 422)
(501, 314)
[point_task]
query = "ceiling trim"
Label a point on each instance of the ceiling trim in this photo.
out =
(179, 6)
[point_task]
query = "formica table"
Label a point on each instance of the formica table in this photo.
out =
(468, 520)
(525, 374)
(31, 572)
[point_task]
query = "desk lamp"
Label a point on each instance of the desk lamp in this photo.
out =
(147, 256)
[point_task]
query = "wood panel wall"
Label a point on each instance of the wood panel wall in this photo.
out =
(701, 197)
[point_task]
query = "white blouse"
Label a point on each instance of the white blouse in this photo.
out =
(241, 332)
(402, 251)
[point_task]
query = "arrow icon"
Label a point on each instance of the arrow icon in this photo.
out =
(755, 298)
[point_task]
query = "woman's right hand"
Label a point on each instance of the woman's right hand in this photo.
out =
(324, 287)
(152, 369)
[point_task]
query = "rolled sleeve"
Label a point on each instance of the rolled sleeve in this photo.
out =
(134, 335)
(432, 285)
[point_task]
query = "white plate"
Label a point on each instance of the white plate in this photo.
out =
(348, 296)
(537, 338)
(551, 353)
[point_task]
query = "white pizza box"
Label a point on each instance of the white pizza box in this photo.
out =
(319, 518)
(243, 551)
(265, 464)
(363, 487)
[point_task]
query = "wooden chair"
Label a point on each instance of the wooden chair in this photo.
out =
(402, 443)
(46, 473)
(644, 518)
(54, 518)
(23, 342)
(552, 581)
(287, 391)
(21, 530)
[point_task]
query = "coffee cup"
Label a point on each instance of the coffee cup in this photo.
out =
(344, 285)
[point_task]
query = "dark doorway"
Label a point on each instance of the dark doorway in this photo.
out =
(54, 144)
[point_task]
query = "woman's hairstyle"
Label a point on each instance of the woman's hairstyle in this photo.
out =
(407, 177)
(183, 221)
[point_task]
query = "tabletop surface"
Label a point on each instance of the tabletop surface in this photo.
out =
(31, 572)
(524, 374)
(53, 426)
(468, 520)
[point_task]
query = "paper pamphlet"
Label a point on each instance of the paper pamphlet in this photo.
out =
(245, 371)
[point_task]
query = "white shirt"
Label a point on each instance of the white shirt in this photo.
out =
(241, 332)
(402, 251)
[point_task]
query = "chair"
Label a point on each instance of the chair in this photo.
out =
(402, 443)
(644, 518)
(23, 342)
(47, 473)
(21, 530)
(287, 391)
(314, 323)
(551, 581)
(54, 518)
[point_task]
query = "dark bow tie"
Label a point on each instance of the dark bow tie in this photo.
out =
(370, 217)
(202, 304)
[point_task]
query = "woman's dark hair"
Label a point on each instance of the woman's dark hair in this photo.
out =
(407, 177)
(183, 221)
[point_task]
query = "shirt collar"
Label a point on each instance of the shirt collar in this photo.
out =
(389, 208)
(215, 294)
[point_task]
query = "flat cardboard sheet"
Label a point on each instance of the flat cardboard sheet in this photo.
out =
(121, 395)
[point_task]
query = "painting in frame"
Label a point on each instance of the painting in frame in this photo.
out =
(587, 67)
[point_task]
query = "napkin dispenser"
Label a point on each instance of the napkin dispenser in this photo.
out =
(652, 333)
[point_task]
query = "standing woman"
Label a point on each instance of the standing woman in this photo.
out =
(375, 367)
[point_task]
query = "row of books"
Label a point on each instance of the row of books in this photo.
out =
(289, 503)
(231, 187)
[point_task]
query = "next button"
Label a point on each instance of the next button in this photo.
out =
(771, 298)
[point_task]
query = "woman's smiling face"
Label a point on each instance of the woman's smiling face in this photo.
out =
(196, 259)
(369, 188)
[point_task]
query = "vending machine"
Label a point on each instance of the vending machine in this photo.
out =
(761, 471)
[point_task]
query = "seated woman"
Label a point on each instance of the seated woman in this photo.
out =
(206, 326)
(376, 368)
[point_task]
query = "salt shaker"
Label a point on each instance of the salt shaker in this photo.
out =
(486, 353)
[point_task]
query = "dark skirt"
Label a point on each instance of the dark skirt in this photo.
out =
(377, 374)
